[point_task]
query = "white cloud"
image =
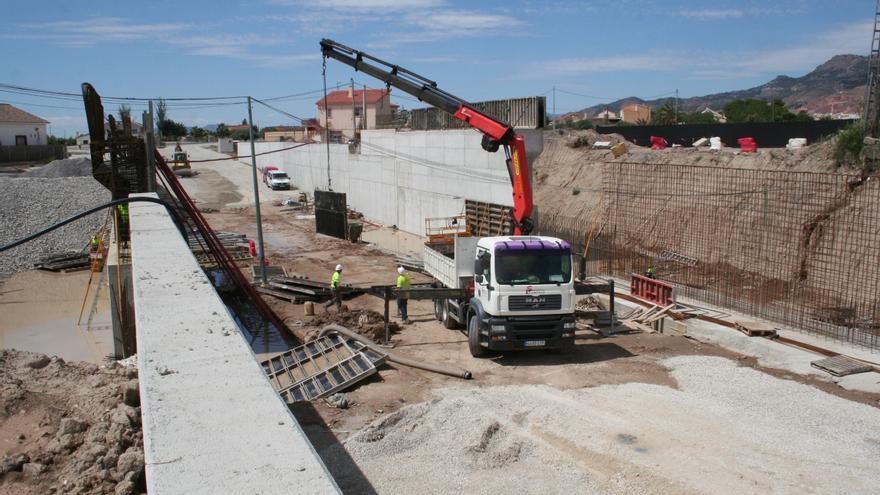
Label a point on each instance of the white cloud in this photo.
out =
(99, 29)
(805, 56)
(712, 13)
(396, 5)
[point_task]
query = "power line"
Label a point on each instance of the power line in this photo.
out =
(279, 110)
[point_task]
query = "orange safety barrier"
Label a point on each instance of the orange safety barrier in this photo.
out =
(652, 290)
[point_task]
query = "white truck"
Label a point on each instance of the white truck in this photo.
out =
(520, 291)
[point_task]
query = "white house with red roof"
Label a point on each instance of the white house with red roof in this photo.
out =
(367, 105)
(21, 128)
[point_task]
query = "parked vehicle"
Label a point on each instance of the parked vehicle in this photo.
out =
(266, 171)
(521, 291)
(276, 179)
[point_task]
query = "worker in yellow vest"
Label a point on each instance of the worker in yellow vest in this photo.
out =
(403, 283)
(335, 280)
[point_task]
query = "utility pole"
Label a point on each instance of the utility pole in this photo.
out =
(554, 108)
(675, 108)
(150, 142)
(260, 250)
(353, 125)
(364, 109)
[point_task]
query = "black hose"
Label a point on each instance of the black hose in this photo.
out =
(138, 199)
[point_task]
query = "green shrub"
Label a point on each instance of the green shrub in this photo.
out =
(580, 142)
(849, 144)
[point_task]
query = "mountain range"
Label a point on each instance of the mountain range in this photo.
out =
(837, 86)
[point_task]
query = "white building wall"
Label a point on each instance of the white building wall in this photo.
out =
(36, 133)
(401, 178)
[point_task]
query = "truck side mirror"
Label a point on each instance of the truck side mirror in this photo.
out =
(478, 266)
(479, 278)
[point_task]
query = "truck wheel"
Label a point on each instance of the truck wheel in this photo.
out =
(439, 307)
(448, 321)
(474, 337)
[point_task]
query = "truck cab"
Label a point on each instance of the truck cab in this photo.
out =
(277, 179)
(523, 292)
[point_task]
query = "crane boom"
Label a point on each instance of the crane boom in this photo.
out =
(495, 132)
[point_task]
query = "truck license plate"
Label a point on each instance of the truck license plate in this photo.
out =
(535, 343)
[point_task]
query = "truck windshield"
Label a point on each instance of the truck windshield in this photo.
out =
(533, 268)
(279, 175)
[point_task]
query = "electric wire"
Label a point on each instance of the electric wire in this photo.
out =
(90, 211)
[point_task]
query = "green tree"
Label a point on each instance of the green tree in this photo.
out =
(222, 130)
(172, 129)
(698, 118)
(199, 134)
(161, 115)
(124, 112)
(241, 135)
(664, 115)
(754, 110)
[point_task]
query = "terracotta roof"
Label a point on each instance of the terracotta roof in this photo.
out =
(240, 127)
(11, 115)
(342, 97)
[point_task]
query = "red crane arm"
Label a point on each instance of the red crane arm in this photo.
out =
(495, 132)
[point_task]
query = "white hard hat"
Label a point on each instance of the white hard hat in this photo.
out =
(338, 268)
(400, 270)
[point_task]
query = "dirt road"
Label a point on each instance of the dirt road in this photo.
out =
(641, 413)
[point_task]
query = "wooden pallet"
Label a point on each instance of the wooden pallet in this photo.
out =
(755, 328)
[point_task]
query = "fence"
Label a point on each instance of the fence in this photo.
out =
(797, 248)
(766, 134)
(32, 153)
(523, 113)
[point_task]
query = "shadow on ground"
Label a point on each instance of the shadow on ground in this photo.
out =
(579, 354)
(342, 467)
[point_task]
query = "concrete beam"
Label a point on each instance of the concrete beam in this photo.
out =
(212, 422)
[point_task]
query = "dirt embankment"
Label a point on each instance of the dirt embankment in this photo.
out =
(569, 179)
(70, 428)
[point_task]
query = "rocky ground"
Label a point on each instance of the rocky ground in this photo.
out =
(28, 205)
(68, 427)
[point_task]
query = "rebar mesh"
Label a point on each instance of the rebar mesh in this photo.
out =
(798, 248)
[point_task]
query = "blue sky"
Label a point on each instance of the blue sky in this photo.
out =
(606, 49)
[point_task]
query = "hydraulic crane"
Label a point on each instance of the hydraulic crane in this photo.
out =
(496, 134)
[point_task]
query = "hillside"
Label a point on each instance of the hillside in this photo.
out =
(838, 85)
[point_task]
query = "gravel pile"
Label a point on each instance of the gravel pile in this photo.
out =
(30, 204)
(725, 429)
(72, 428)
(69, 167)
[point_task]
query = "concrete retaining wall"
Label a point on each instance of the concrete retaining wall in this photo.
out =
(212, 422)
(401, 178)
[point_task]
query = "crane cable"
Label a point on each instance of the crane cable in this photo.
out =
(326, 124)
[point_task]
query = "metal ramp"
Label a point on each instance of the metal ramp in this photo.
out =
(320, 368)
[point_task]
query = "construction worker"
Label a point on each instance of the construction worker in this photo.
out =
(122, 217)
(94, 243)
(178, 148)
(649, 272)
(334, 287)
(403, 283)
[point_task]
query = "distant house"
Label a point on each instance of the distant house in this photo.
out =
(635, 113)
(309, 131)
(369, 106)
(82, 140)
(718, 115)
(571, 117)
(605, 117)
(20, 128)
(233, 128)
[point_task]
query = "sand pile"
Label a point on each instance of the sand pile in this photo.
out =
(366, 322)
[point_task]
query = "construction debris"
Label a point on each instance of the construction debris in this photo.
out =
(365, 322)
(64, 262)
